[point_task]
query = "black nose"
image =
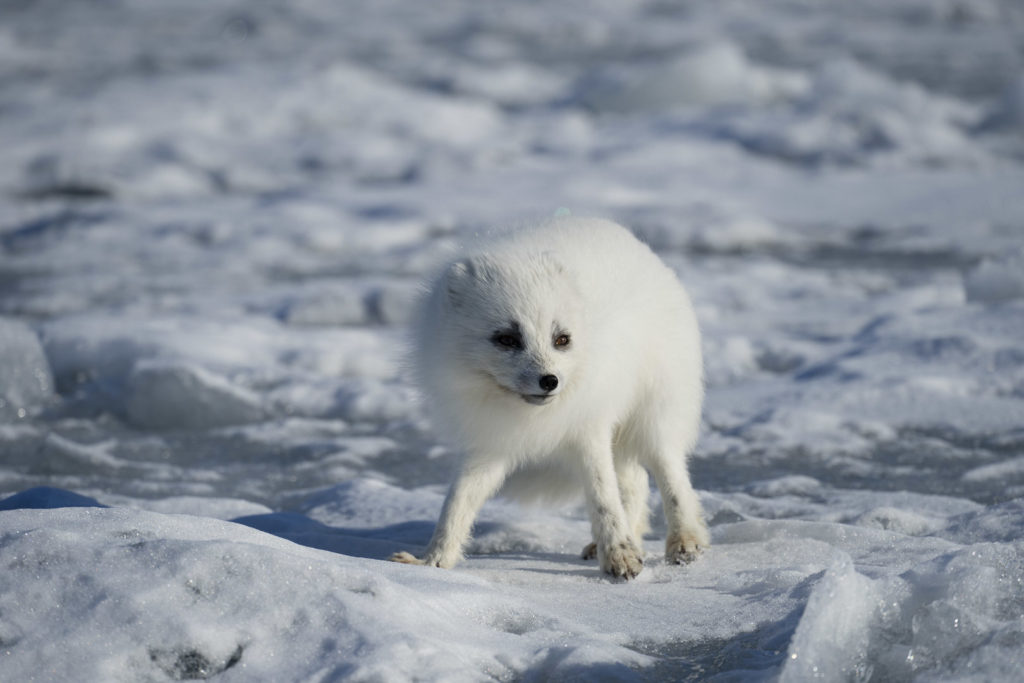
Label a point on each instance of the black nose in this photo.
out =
(548, 382)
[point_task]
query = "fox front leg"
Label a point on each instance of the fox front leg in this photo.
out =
(472, 487)
(617, 552)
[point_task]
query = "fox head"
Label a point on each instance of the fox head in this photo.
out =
(517, 321)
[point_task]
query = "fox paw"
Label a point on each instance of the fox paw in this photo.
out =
(589, 552)
(622, 561)
(685, 548)
(430, 560)
(405, 558)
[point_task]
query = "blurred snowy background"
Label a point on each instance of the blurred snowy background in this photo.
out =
(213, 219)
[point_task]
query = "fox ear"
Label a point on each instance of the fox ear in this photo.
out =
(459, 279)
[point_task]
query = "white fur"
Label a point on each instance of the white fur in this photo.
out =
(629, 391)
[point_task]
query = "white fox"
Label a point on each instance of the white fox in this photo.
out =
(566, 354)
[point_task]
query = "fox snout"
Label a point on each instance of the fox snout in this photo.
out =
(540, 389)
(543, 383)
(548, 383)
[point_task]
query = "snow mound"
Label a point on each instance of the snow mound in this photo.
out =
(26, 384)
(107, 349)
(809, 599)
(243, 605)
(162, 395)
(46, 498)
(711, 74)
(217, 508)
(713, 228)
(851, 115)
(170, 373)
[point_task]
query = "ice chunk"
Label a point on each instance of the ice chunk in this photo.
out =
(165, 395)
(964, 612)
(26, 383)
(909, 522)
(997, 279)
(831, 640)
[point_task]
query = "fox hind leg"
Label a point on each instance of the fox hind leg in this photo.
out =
(634, 490)
(687, 533)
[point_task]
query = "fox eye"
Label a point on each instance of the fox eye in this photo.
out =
(562, 340)
(509, 341)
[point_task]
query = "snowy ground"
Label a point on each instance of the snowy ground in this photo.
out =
(213, 218)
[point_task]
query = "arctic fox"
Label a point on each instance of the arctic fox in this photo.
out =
(566, 353)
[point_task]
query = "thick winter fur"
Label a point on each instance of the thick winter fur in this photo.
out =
(566, 352)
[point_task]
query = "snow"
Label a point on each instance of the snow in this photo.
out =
(213, 226)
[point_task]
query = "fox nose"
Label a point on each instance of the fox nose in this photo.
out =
(548, 382)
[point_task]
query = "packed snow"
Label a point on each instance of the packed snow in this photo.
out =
(214, 220)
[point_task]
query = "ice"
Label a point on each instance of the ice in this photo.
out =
(216, 220)
(831, 641)
(26, 383)
(863, 628)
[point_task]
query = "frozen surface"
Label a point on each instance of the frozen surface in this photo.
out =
(26, 384)
(213, 223)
